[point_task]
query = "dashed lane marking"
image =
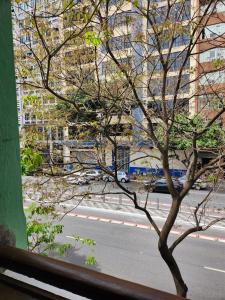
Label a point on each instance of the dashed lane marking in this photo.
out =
(207, 237)
(116, 222)
(142, 226)
(80, 216)
(222, 240)
(104, 220)
(92, 218)
(129, 224)
(213, 269)
(148, 227)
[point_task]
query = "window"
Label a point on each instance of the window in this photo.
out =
(155, 86)
(27, 117)
(176, 60)
(181, 39)
(211, 54)
(60, 133)
(25, 39)
(120, 19)
(213, 31)
(217, 77)
(178, 12)
(116, 2)
(219, 7)
(181, 105)
(119, 43)
(108, 67)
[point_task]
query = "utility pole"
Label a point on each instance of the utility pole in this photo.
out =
(12, 218)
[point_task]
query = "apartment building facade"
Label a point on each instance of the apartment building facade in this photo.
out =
(199, 82)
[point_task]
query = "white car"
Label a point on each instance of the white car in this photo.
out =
(121, 176)
(198, 185)
(77, 180)
(94, 174)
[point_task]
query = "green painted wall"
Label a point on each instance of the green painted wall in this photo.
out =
(11, 208)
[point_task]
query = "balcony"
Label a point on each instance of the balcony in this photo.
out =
(78, 280)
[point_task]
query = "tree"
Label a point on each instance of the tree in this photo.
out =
(43, 221)
(142, 88)
(43, 228)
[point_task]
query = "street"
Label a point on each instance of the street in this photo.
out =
(71, 196)
(131, 253)
(127, 245)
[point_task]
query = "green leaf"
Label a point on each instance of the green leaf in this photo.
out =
(92, 38)
(30, 160)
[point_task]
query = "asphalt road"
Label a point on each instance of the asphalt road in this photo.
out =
(131, 253)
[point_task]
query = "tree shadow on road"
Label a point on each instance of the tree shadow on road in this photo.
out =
(74, 257)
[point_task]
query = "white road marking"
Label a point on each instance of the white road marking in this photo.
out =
(206, 237)
(143, 226)
(104, 220)
(82, 216)
(213, 269)
(116, 222)
(92, 218)
(129, 224)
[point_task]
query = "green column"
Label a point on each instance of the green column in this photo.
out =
(11, 206)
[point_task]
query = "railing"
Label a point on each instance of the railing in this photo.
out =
(76, 279)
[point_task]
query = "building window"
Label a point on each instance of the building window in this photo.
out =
(181, 39)
(217, 77)
(178, 12)
(211, 54)
(122, 159)
(120, 19)
(155, 86)
(213, 31)
(118, 43)
(213, 8)
(109, 67)
(176, 61)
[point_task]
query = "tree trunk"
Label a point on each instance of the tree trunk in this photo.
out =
(167, 256)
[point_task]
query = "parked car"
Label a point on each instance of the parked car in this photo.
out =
(121, 176)
(160, 185)
(94, 174)
(198, 185)
(77, 180)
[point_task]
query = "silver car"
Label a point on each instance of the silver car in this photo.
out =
(77, 180)
(94, 174)
(198, 185)
(121, 176)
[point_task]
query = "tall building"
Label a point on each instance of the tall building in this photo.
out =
(133, 40)
(211, 62)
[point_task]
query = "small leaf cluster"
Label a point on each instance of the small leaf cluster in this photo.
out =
(30, 160)
(90, 259)
(43, 230)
